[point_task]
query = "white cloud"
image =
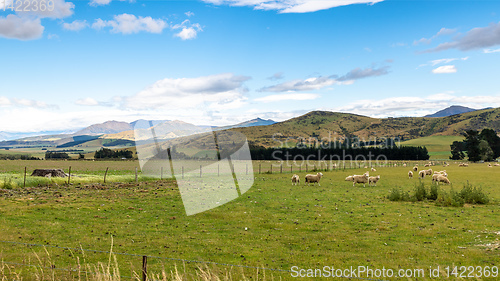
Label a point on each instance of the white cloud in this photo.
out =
(490, 51)
(189, 14)
(416, 106)
(99, 2)
(316, 83)
(75, 25)
(87, 102)
(21, 28)
(445, 69)
(291, 6)
(285, 97)
(16, 102)
(476, 38)
(440, 61)
(443, 31)
(187, 33)
(128, 24)
(221, 90)
(188, 30)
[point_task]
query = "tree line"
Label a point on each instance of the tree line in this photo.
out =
(479, 146)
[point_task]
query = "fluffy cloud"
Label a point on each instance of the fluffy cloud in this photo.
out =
(188, 30)
(320, 82)
(128, 24)
(476, 38)
(445, 69)
(27, 25)
(75, 25)
(216, 91)
(284, 97)
(291, 6)
(490, 51)
(21, 28)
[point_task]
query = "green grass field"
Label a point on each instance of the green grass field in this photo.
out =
(438, 146)
(273, 225)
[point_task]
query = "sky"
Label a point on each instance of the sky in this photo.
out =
(221, 62)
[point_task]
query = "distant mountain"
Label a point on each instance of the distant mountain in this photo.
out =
(452, 110)
(145, 124)
(108, 127)
(249, 123)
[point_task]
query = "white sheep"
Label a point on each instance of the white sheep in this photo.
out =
(404, 165)
(443, 179)
(496, 164)
(295, 179)
(421, 174)
(313, 178)
(349, 178)
(428, 172)
(410, 174)
(360, 179)
(373, 170)
(435, 177)
(415, 168)
(373, 180)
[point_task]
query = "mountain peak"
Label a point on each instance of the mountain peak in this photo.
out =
(452, 110)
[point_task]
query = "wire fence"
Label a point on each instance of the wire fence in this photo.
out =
(145, 258)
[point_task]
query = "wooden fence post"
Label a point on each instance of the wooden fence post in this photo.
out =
(24, 176)
(144, 268)
(136, 180)
(105, 174)
(69, 175)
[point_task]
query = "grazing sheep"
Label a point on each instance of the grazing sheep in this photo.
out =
(421, 174)
(427, 165)
(373, 170)
(349, 178)
(313, 178)
(410, 174)
(441, 173)
(496, 164)
(435, 177)
(360, 179)
(295, 179)
(428, 172)
(395, 165)
(415, 168)
(489, 165)
(373, 180)
(404, 165)
(443, 179)
(463, 165)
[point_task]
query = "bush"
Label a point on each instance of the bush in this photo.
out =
(473, 195)
(420, 192)
(395, 195)
(433, 194)
(7, 183)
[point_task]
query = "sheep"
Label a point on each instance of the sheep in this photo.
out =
(428, 172)
(404, 165)
(489, 165)
(435, 177)
(427, 165)
(349, 178)
(373, 170)
(415, 168)
(395, 165)
(373, 180)
(295, 179)
(441, 173)
(360, 179)
(496, 164)
(443, 179)
(463, 165)
(410, 174)
(313, 178)
(421, 174)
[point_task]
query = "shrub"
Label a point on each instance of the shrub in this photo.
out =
(420, 192)
(7, 183)
(433, 194)
(395, 195)
(473, 195)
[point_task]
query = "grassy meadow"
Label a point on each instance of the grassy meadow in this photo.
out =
(438, 146)
(273, 225)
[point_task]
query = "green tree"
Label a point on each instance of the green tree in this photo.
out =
(457, 150)
(493, 140)
(472, 145)
(485, 151)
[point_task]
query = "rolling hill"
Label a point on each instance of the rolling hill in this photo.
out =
(452, 110)
(333, 125)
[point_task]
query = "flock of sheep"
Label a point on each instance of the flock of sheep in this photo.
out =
(437, 177)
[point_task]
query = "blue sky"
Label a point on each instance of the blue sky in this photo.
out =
(221, 62)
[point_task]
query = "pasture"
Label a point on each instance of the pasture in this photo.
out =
(273, 225)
